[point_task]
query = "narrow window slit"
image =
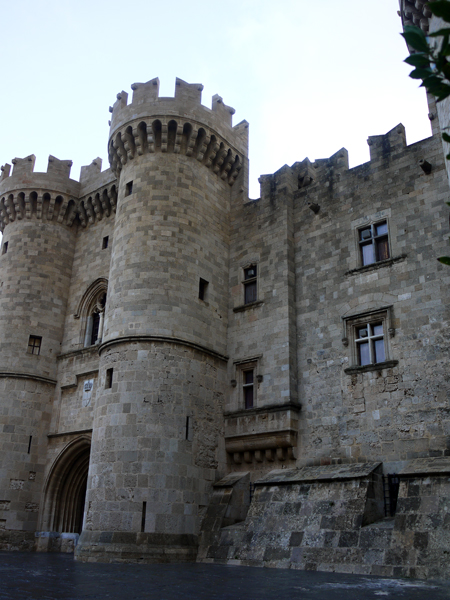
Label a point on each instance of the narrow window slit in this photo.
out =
(202, 289)
(29, 444)
(144, 511)
(109, 378)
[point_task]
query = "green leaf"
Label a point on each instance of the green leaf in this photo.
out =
(440, 8)
(431, 81)
(418, 60)
(421, 74)
(445, 260)
(447, 203)
(415, 38)
(446, 137)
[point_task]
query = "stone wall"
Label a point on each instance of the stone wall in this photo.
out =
(157, 445)
(331, 519)
(397, 410)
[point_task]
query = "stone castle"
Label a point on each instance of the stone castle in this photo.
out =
(189, 375)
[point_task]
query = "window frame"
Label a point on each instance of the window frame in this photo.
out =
(34, 346)
(242, 367)
(129, 188)
(351, 324)
(248, 386)
(374, 241)
(250, 282)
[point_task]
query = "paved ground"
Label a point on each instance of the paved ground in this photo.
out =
(57, 576)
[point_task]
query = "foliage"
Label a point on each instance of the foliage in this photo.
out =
(431, 62)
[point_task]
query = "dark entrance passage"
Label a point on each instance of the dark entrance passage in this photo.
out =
(66, 489)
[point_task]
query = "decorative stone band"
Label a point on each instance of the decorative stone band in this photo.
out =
(94, 207)
(43, 204)
(160, 339)
(263, 433)
(267, 445)
(177, 136)
(15, 375)
(57, 207)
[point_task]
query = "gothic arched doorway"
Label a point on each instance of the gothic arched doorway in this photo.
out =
(65, 490)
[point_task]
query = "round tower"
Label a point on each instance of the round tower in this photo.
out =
(158, 419)
(37, 211)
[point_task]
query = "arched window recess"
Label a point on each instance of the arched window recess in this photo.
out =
(92, 311)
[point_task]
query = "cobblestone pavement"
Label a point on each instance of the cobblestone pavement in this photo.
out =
(57, 576)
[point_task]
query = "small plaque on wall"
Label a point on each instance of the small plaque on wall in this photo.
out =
(87, 392)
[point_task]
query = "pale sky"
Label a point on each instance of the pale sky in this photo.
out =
(310, 76)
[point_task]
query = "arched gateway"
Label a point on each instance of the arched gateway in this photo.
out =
(65, 493)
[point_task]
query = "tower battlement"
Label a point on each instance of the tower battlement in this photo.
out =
(23, 175)
(51, 195)
(179, 125)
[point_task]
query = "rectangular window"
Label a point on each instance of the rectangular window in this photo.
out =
(129, 188)
(34, 344)
(367, 335)
(202, 289)
(370, 344)
(5, 248)
(250, 284)
(109, 378)
(248, 388)
(105, 242)
(374, 243)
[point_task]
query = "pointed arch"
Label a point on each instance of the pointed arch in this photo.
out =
(91, 311)
(65, 488)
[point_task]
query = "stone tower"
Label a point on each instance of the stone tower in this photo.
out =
(37, 212)
(157, 430)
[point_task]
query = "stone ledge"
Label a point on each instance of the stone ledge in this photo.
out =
(248, 306)
(388, 364)
(261, 441)
(376, 265)
(87, 350)
(245, 412)
(439, 465)
(15, 375)
(161, 339)
(320, 473)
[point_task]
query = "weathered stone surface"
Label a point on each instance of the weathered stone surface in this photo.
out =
(171, 349)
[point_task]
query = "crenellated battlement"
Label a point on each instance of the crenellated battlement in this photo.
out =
(53, 196)
(328, 171)
(50, 196)
(56, 177)
(180, 125)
